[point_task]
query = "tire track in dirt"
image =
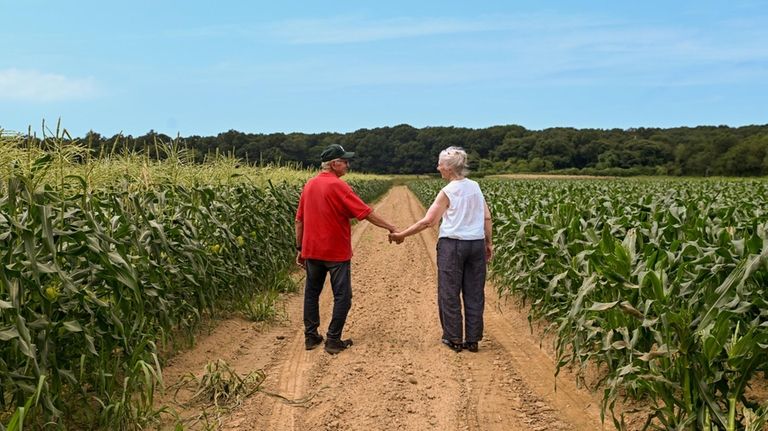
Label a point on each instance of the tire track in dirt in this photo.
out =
(298, 365)
(396, 376)
(510, 329)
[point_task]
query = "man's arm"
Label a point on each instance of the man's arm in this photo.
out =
(380, 222)
(299, 228)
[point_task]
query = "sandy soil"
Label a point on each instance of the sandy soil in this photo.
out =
(397, 375)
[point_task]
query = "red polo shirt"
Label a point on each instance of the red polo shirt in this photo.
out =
(325, 207)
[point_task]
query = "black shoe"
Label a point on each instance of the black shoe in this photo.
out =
(456, 347)
(472, 347)
(312, 341)
(333, 346)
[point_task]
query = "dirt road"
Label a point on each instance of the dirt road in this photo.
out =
(397, 375)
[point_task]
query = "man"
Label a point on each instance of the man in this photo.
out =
(324, 244)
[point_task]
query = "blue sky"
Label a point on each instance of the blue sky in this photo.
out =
(202, 68)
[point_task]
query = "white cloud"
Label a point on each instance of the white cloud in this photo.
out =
(349, 30)
(514, 49)
(33, 86)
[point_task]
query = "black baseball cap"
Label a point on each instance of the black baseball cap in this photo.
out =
(335, 151)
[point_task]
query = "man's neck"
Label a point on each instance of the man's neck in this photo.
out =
(330, 171)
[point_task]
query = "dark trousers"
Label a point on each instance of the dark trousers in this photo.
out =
(341, 284)
(461, 275)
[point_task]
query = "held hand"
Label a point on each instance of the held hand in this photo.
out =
(396, 237)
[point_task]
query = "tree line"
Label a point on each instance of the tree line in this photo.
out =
(403, 149)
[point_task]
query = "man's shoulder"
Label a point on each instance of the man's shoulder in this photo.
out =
(325, 176)
(320, 179)
(329, 183)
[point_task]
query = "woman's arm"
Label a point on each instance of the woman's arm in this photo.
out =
(433, 215)
(488, 228)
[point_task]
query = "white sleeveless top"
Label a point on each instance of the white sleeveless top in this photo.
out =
(465, 217)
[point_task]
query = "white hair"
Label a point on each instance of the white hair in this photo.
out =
(455, 158)
(327, 165)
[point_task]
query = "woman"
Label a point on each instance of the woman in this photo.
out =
(463, 249)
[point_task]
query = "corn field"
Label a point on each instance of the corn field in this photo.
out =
(108, 264)
(660, 285)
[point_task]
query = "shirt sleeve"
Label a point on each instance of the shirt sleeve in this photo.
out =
(449, 194)
(355, 206)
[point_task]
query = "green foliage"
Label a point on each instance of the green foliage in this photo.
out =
(98, 276)
(402, 149)
(662, 284)
(91, 281)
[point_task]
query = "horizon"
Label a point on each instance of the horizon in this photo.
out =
(337, 68)
(51, 132)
